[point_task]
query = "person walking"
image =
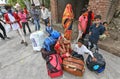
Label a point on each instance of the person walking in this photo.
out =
(23, 18)
(13, 19)
(45, 14)
(35, 14)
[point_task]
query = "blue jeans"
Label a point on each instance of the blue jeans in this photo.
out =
(37, 24)
(46, 21)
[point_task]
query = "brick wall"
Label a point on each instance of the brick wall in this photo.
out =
(105, 8)
(100, 7)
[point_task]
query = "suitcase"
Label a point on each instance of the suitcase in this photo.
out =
(54, 65)
(37, 39)
(74, 66)
(98, 66)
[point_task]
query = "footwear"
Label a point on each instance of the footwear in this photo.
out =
(7, 37)
(3, 38)
(22, 42)
(25, 43)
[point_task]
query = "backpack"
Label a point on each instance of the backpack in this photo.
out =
(55, 34)
(49, 44)
(97, 66)
(53, 63)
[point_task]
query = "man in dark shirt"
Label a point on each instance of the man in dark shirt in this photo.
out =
(96, 30)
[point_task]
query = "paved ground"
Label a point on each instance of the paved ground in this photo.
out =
(20, 62)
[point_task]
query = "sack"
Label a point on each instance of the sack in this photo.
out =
(98, 66)
(49, 44)
(45, 53)
(37, 39)
(53, 63)
(8, 28)
(74, 66)
(55, 34)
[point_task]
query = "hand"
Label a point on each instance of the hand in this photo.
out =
(67, 54)
(14, 21)
(94, 59)
(65, 30)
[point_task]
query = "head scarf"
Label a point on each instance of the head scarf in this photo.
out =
(68, 13)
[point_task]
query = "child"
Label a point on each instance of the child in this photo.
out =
(63, 47)
(106, 33)
(96, 30)
(49, 29)
(82, 49)
(24, 21)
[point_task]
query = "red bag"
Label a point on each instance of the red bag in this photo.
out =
(54, 65)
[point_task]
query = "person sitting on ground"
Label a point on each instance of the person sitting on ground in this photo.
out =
(63, 47)
(49, 29)
(81, 49)
(106, 33)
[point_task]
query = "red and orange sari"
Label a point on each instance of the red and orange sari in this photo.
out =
(67, 21)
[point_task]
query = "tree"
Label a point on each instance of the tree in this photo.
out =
(13, 2)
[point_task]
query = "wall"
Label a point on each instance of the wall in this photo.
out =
(106, 8)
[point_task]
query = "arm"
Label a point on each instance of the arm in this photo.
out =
(7, 19)
(88, 51)
(102, 30)
(90, 30)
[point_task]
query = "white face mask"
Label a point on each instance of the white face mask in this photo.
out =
(97, 21)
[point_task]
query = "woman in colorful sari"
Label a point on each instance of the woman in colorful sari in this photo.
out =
(67, 21)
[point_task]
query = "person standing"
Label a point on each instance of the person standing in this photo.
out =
(3, 29)
(45, 14)
(67, 21)
(82, 23)
(23, 18)
(35, 14)
(13, 19)
(96, 30)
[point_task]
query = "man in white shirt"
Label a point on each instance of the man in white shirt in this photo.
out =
(45, 14)
(82, 49)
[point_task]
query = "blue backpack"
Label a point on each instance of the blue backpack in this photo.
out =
(55, 34)
(49, 44)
